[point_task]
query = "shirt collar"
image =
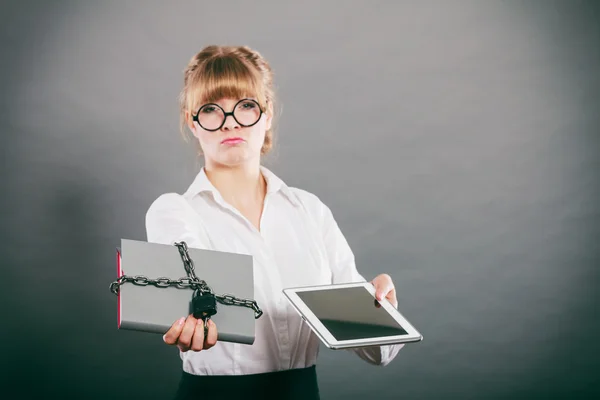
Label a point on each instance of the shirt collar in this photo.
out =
(275, 184)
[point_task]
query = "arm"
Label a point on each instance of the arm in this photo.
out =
(343, 267)
(171, 219)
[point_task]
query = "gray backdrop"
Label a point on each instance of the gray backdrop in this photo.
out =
(457, 143)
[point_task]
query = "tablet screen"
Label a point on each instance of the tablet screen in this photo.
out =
(351, 313)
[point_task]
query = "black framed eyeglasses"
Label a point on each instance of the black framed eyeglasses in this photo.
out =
(211, 117)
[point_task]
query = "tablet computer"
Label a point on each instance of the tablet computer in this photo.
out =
(148, 308)
(349, 315)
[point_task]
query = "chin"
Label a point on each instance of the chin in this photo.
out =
(233, 160)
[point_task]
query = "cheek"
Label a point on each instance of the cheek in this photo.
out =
(196, 132)
(258, 138)
(206, 141)
(261, 129)
(205, 138)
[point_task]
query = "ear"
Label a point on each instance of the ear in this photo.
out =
(269, 115)
(190, 123)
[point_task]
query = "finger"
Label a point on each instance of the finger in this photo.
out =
(392, 298)
(185, 338)
(174, 331)
(391, 292)
(198, 338)
(382, 289)
(211, 338)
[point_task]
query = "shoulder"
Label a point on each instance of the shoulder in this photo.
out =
(167, 205)
(167, 201)
(171, 218)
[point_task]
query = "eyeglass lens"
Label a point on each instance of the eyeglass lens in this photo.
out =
(246, 113)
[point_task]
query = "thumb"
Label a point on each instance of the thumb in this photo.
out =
(379, 290)
(383, 286)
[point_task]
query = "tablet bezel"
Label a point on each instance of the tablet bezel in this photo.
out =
(329, 340)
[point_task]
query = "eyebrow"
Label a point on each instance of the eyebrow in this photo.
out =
(234, 101)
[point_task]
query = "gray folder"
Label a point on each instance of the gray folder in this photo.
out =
(153, 309)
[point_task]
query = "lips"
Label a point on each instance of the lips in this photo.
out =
(232, 140)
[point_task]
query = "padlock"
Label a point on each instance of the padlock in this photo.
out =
(204, 305)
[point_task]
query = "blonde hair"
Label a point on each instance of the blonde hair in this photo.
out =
(226, 71)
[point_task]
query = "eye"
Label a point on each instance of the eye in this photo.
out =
(248, 105)
(208, 109)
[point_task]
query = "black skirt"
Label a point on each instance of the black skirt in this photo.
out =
(284, 385)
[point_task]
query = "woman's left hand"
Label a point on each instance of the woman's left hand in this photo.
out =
(384, 288)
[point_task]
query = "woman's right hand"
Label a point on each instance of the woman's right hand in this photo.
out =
(188, 334)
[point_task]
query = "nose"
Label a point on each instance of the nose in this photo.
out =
(230, 123)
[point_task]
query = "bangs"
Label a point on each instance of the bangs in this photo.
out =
(223, 77)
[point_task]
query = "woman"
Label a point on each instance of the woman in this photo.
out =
(237, 205)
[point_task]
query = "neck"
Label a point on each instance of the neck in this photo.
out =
(241, 186)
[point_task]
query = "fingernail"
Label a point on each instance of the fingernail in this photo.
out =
(181, 321)
(164, 337)
(199, 322)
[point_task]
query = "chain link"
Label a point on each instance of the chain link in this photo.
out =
(233, 301)
(189, 282)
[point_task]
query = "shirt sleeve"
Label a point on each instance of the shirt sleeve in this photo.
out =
(171, 219)
(343, 268)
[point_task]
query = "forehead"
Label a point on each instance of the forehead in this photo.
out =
(228, 101)
(223, 96)
(222, 83)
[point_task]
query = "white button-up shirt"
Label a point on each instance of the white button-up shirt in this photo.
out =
(299, 244)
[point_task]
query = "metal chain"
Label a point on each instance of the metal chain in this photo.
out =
(191, 282)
